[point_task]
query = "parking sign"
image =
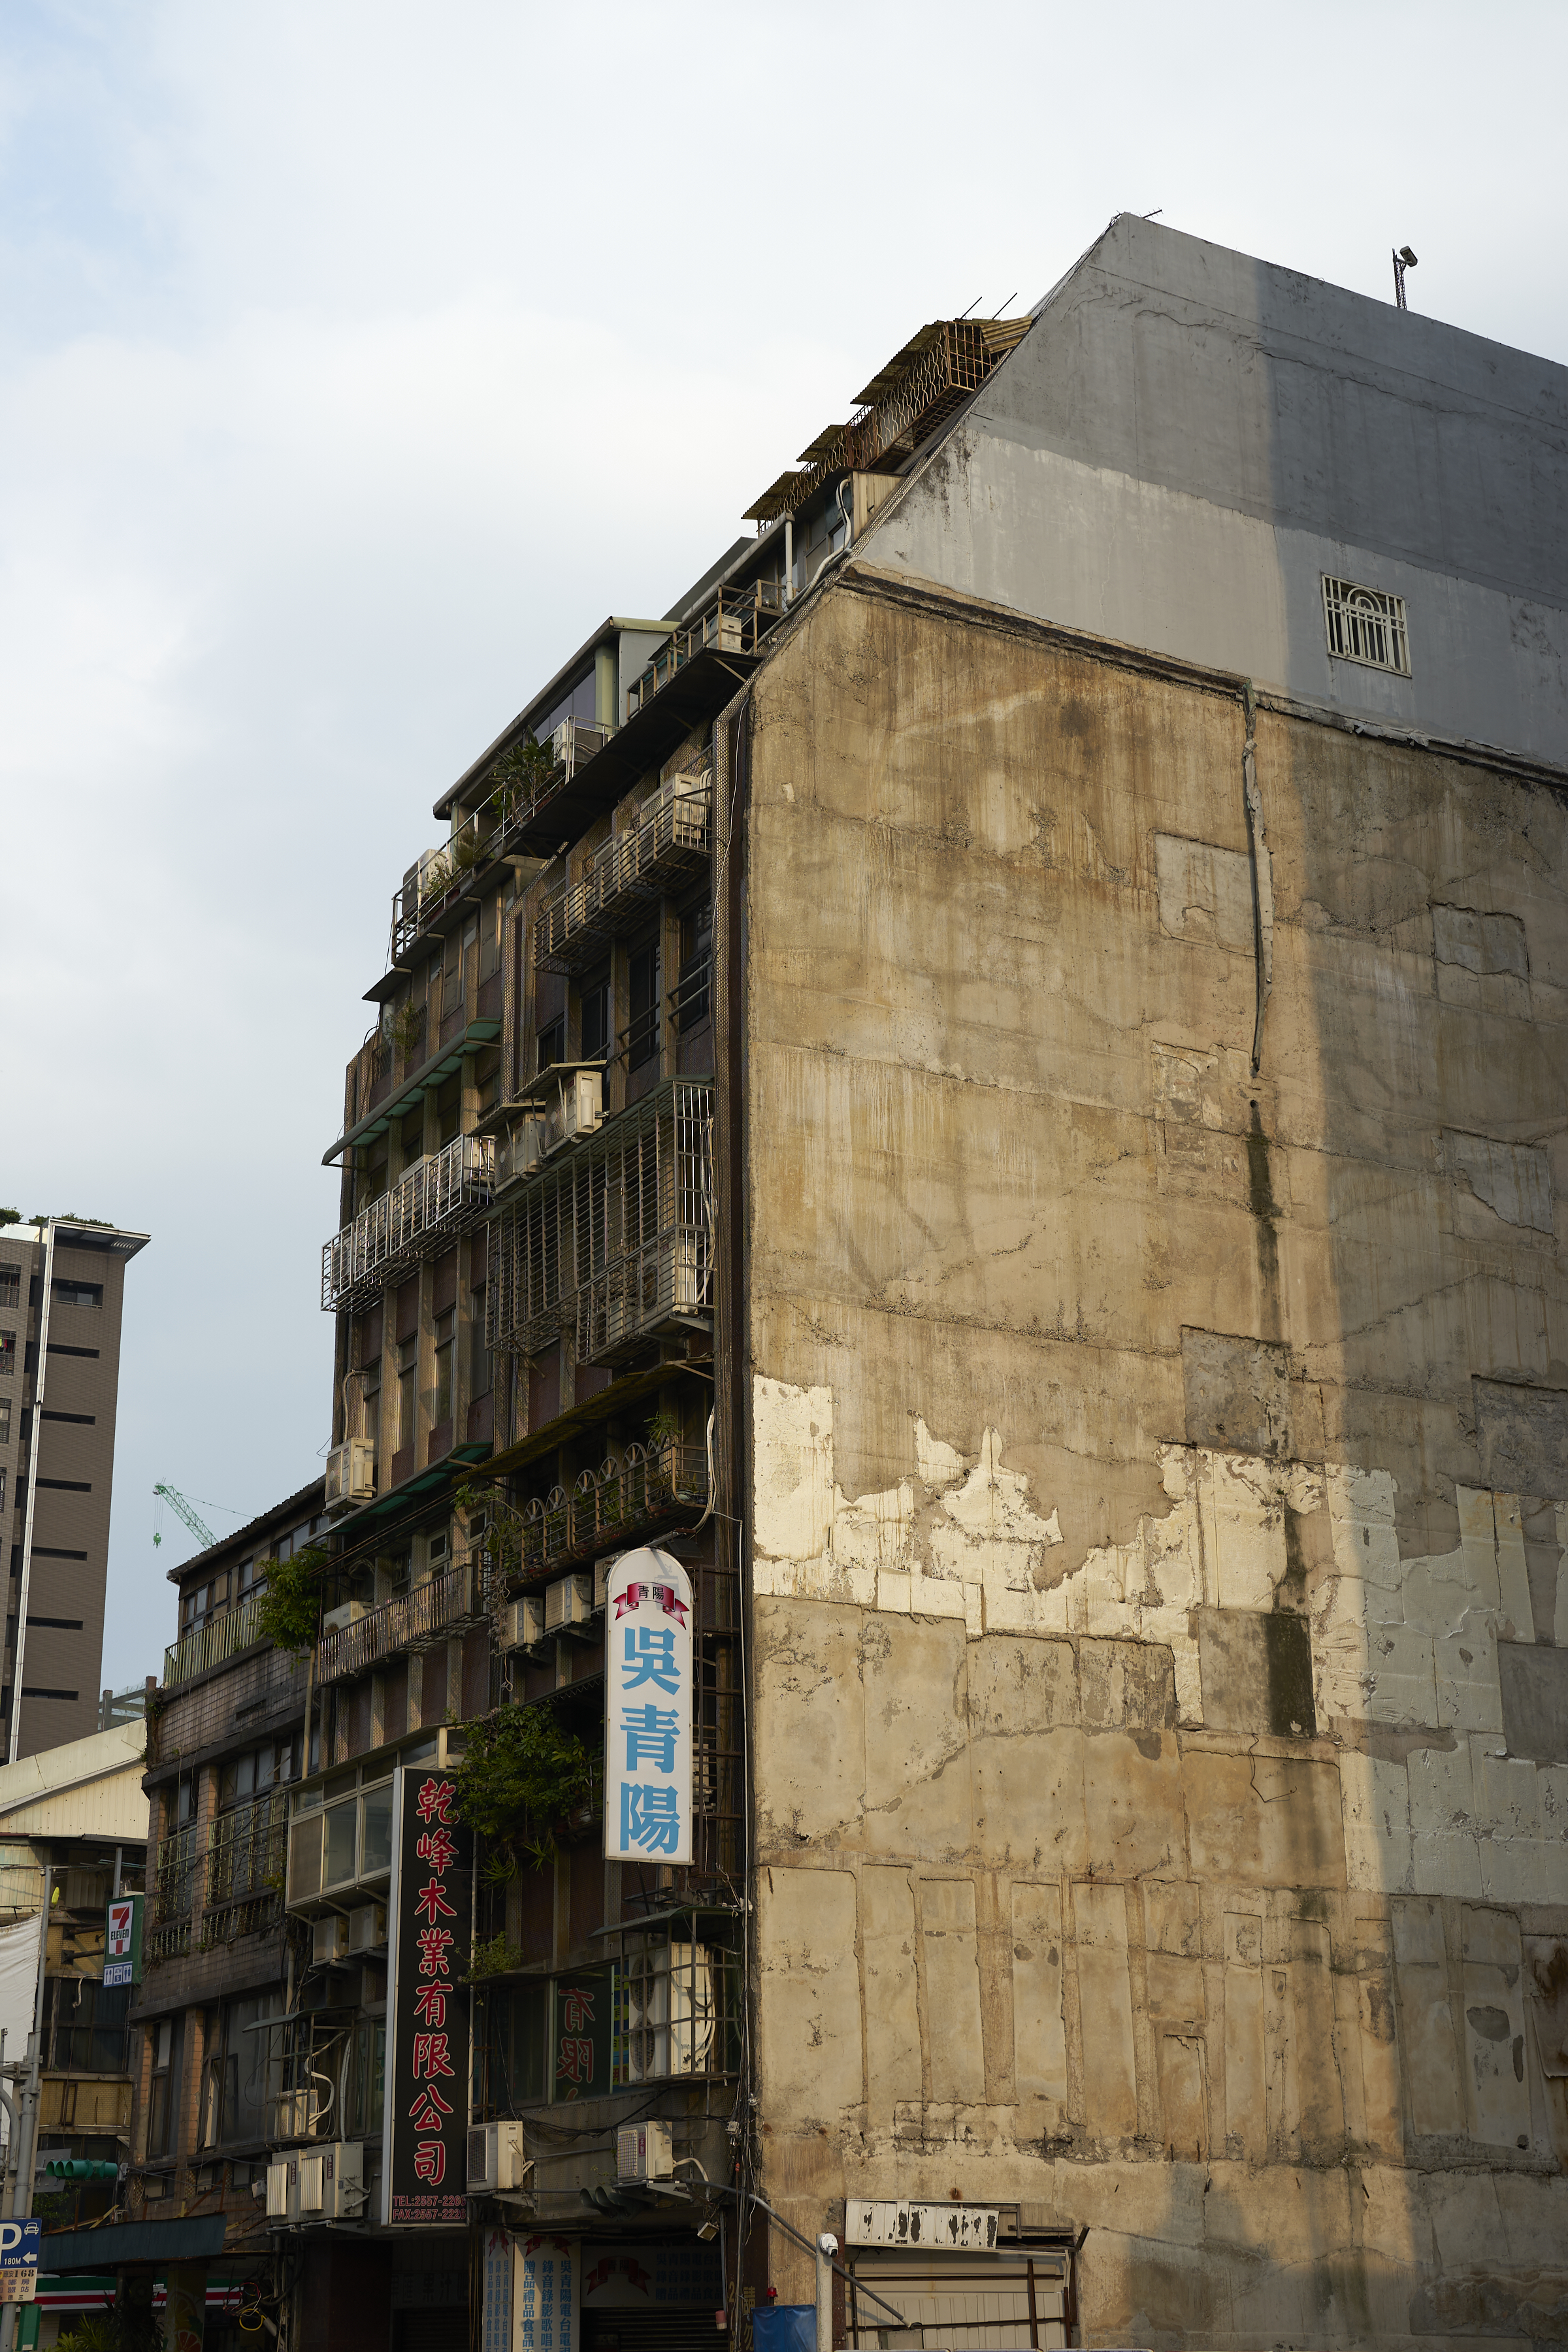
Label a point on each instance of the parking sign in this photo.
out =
(19, 2261)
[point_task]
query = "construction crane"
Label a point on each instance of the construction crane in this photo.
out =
(196, 1524)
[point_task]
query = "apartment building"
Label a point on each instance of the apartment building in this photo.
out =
(988, 1089)
(61, 1292)
(221, 2029)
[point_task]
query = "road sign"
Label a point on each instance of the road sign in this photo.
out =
(122, 1941)
(19, 2260)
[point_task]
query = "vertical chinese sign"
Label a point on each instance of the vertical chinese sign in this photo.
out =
(546, 2293)
(580, 2037)
(424, 2145)
(647, 1710)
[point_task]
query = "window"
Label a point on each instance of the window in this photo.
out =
(667, 2010)
(693, 992)
(234, 2093)
(552, 1048)
(642, 1034)
(480, 1373)
(446, 1327)
(449, 1109)
(78, 1294)
(252, 1774)
(411, 1138)
(408, 1356)
(340, 1835)
(595, 1010)
(1366, 625)
(7, 1353)
(160, 2103)
(84, 2025)
(3, 1480)
(5, 1420)
(10, 1284)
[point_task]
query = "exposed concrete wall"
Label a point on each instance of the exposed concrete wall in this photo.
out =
(1188, 439)
(1162, 1759)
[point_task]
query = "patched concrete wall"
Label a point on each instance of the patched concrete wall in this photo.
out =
(1162, 1748)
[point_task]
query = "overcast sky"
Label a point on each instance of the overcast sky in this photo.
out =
(359, 359)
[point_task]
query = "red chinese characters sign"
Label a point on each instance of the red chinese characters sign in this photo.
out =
(424, 2146)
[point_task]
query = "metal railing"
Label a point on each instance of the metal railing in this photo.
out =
(616, 1236)
(668, 841)
(433, 1201)
(491, 832)
(624, 1499)
(247, 1854)
(211, 1643)
(174, 1876)
(736, 621)
(451, 1600)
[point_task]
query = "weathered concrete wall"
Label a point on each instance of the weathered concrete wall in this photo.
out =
(1162, 1618)
(1188, 439)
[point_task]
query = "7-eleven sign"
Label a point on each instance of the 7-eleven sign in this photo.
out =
(122, 1941)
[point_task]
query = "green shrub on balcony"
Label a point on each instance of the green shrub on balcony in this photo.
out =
(289, 1612)
(520, 1781)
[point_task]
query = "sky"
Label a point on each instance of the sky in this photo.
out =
(356, 361)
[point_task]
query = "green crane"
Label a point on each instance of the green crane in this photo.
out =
(198, 1526)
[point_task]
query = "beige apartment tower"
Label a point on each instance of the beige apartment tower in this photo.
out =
(62, 1286)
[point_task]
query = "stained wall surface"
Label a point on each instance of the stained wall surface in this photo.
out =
(1157, 1478)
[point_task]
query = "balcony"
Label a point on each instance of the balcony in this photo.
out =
(436, 894)
(247, 1851)
(440, 1197)
(615, 1237)
(447, 1604)
(212, 1645)
(616, 1507)
(669, 843)
(731, 628)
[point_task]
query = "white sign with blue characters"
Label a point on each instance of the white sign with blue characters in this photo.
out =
(648, 1710)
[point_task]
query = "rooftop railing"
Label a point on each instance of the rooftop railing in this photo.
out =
(736, 621)
(668, 842)
(491, 832)
(453, 1599)
(433, 1201)
(211, 1643)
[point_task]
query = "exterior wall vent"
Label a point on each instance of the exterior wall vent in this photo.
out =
(1366, 625)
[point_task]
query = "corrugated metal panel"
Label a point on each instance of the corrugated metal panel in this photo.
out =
(114, 1807)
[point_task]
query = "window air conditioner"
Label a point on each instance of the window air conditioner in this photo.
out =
(578, 1108)
(296, 2112)
(643, 2151)
(328, 1939)
(497, 2158)
(351, 1472)
(311, 2171)
(568, 1601)
(283, 2189)
(366, 1925)
(525, 1622)
(521, 1149)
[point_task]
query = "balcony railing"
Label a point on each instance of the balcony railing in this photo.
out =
(493, 830)
(210, 1644)
(427, 1208)
(668, 842)
(450, 1601)
(648, 1487)
(174, 1876)
(615, 1237)
(736, 621)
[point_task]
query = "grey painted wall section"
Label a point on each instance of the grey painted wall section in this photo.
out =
(1188, 439)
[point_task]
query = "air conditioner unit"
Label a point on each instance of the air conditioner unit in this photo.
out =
(351, 1473)
(521, 1149)
(331, 2183)
(578, 1108)
(523, 1623)
(297, 2112)
(497, 2158)
(686, 1285)
(283, 2189)
(644, 2152)
(603, 1572)
(568, 1601)
(328, 1939)
(366, 1927)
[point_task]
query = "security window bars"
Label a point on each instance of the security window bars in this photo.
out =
(617, 1237)
(1366, 625)
(425, 1210)
(675, 2004)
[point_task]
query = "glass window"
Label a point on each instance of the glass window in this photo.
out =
(375, 1849)
(551, 1045)
(160, 2103)
(342, 1821)
(642, 1034)
(305, 1856)
(446, 1327)
(406, 1406)
(480, 1373)
(596, 1011)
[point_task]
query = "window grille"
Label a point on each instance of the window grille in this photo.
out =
(1366, 625)
(613, 1238)
(675, 2004)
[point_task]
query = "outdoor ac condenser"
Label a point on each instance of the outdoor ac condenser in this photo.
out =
(497, 2158)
